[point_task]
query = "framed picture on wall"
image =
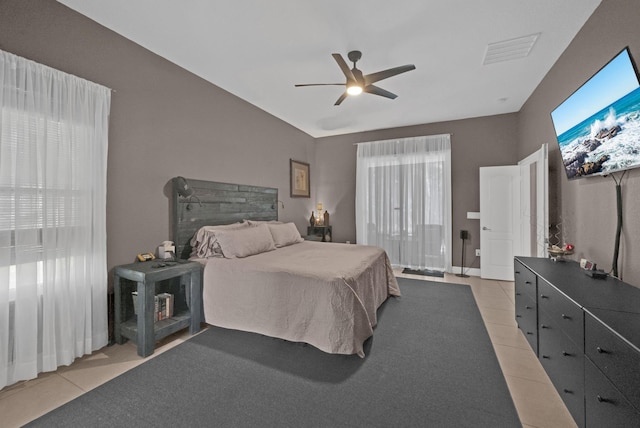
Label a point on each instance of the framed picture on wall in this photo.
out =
(300, 181)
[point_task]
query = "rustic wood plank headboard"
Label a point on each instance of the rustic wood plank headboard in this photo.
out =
(213, 203)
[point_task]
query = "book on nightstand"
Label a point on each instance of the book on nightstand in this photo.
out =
(163, 305)
(165, 302)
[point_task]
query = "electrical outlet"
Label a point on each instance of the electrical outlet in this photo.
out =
(477, 252)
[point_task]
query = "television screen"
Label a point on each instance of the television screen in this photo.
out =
(598, 126)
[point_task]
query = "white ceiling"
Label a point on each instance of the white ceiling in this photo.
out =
(258, 50)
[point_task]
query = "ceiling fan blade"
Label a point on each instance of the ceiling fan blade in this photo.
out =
(344, 67)
(371, 89)
(384, 74)
(319, 84)
(341, 99)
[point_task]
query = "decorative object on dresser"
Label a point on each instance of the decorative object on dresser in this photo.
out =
(557, 254)
(300, 179)
(586, 333)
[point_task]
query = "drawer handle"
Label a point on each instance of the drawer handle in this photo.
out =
(544, 297)
(567, 391)
(529, 333)
(566, 317)
(528, 282)
(518, 316)
(545, 356)
(543, 326)
(602, 399)
(517, 294)
(600, 350)
(518, 272)
(566, 354)
(527, 307)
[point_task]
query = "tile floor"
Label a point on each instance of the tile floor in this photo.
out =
(537, 402)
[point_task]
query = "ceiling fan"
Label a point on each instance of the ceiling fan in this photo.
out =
(357, 82)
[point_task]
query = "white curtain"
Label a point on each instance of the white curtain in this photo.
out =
(53, 274)
(403, 200)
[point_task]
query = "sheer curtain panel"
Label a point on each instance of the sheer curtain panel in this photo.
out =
(403, 200)
(53, 164)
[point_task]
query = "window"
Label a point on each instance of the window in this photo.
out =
(403, 200)
(53, 276)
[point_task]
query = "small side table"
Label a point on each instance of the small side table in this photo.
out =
(141, 328)
(319, 233)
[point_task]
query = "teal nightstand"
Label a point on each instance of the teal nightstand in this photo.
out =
(143, 278)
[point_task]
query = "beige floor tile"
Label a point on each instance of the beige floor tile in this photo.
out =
(520, 362)
(507, 336)
(486, 287)
(509, 288)
(37, 399)
(498, 316)
(95, 369)
(19, 386)
(538, 404)
(492, 299)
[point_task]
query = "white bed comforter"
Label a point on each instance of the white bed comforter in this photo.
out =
(324, 294)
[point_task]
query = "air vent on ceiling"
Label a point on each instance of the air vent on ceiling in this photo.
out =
(509, 49)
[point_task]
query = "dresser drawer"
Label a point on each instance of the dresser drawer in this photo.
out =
(527, 319)
(563, 313)
(563, 360)
(614, 357)
(605, 405)
(525, 280)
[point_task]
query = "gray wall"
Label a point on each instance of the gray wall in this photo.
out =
(485, 141)
(587, 207)
(164, 122)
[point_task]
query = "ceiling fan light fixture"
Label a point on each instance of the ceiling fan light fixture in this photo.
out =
(358, 83)
(354, 90)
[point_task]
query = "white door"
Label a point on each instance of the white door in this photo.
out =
(499, 220)
(534, 185)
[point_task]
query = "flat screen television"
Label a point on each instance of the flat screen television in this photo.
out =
(598, 126)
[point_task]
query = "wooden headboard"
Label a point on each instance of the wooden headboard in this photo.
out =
(214, 203)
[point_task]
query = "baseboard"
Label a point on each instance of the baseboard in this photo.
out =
(467, 271)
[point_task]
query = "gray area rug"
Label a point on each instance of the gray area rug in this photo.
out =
(430, 363)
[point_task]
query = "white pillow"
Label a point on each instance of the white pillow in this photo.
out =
(258, 222)
(285, 234)
(205, 244)
(245, 242)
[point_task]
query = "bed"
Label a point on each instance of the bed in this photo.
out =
(261, 276)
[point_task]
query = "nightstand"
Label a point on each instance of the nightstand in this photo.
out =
(182, 279)
(319, 233)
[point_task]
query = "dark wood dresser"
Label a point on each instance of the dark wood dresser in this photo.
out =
(586, 333)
